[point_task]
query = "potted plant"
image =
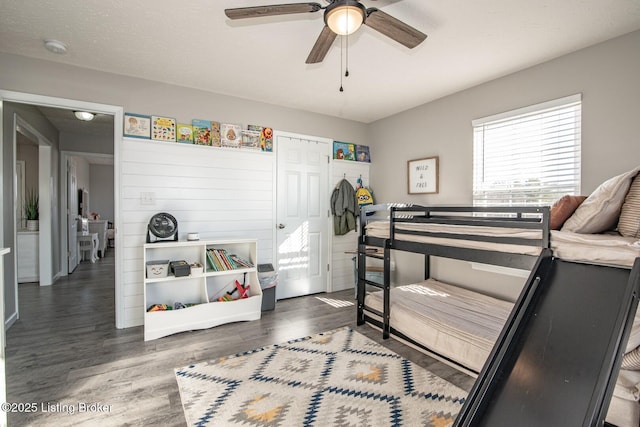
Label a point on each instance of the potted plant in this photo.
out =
(31, 210)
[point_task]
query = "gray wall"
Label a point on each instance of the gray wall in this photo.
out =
(606, 74)
(101, 190)
(82, 143)
(28, 152)
(23, 74)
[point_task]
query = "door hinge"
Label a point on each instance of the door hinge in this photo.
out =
(328, 160)
(328, 268)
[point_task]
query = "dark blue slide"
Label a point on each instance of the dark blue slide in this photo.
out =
(557, 358)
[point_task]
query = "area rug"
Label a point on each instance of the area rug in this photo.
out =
(336, 378)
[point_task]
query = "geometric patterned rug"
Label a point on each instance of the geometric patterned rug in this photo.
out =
(336, 378)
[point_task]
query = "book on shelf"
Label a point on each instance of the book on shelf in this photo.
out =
(210, 262)
(201, 132)
(221, 260)
(163, 128)
(344, 151)
(266, 136)
(230, 135)
(185, 133)
(220, 253)
(215, 134)
(241, 263)
(250, 139)
(362, 153)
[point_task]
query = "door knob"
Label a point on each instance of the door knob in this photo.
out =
(281, 226)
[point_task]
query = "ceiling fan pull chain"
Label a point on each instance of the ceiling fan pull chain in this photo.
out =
(346, 67)
(341, 51)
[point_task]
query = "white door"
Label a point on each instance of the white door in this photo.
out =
(72, 214)
(302, 215)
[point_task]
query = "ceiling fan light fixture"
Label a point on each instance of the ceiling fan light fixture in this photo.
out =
(345, 17)
(85, 116)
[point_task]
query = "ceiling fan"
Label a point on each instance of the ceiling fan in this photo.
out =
(341, 17)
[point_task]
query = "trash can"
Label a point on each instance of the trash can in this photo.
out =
(268, 280)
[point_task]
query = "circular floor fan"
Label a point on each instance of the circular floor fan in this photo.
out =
(163, 227)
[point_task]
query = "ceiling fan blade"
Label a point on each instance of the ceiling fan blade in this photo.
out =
(320, 49)
(394, 28)
(271, 10)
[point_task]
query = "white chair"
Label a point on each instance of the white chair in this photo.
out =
(100, 227)
(88, 244)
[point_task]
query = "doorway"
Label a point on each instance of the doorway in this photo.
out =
(86, 173)
(302, 215)
(59, 244)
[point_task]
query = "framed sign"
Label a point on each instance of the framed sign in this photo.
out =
(422, 175)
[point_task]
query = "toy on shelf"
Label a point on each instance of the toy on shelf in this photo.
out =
(243, 292)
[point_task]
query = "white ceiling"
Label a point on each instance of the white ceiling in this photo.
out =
(193, 44)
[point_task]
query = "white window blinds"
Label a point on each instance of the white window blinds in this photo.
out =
(530, 156)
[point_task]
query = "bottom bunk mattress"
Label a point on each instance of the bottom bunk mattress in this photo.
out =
(458, 324)
(463, 325)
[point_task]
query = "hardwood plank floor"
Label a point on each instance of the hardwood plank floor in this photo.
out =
(65, 350)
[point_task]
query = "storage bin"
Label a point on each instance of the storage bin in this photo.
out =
(180, 268)
(196, 269)
(268, 280)
(268, 299)
(157, 269)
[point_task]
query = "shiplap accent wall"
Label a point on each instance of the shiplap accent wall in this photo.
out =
(219, 193)
(342, 268)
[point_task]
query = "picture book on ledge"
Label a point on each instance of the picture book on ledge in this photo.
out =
(185, 133)
(201, 132)
(362, 153)
(137, 126)
(163, 128)
(266, 137)
(230, 135)
(344, 151)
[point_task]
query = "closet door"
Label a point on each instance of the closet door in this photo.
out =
(302, 216)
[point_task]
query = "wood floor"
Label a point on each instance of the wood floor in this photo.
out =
(65, 351)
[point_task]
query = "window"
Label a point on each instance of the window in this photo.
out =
(527, 157)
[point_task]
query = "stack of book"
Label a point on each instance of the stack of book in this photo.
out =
(221, 260)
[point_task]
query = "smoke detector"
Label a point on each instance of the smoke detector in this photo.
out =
(55, 46)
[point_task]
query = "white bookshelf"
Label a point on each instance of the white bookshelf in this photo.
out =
(200, 289)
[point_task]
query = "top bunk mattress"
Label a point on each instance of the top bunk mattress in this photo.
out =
(380, 229)
(608, 249)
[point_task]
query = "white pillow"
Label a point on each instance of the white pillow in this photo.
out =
(600, 211)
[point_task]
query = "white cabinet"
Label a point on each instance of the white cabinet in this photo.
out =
(28, 254)
(199, 292)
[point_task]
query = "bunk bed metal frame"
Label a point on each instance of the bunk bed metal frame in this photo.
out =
(526, 217)
(498, 396)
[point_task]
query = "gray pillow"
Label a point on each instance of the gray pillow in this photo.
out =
(629, 223)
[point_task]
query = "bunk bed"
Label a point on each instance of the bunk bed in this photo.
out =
(462, 326)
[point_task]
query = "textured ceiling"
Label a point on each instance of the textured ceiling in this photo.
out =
(193, 44)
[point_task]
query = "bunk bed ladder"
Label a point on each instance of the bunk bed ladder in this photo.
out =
(363, 282)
